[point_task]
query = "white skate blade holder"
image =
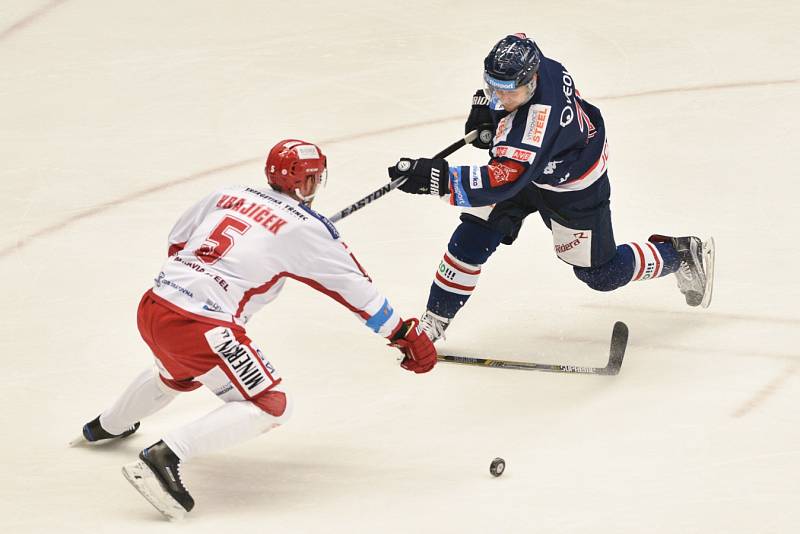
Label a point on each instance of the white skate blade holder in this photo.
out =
(708, 262)
(146, 482)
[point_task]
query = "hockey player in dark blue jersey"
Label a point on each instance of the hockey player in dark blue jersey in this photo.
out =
(548, 154)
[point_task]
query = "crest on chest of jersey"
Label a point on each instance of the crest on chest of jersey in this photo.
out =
(291, 162)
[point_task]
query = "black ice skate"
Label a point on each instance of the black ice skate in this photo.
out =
(94, 433)
(157, 477)
(696, 273)
(434, 325)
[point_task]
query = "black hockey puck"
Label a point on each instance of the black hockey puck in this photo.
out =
(497, 467)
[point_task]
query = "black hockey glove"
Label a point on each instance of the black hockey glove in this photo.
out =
(480, 118)
(425, 176)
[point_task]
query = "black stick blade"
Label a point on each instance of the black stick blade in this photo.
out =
(619, 342)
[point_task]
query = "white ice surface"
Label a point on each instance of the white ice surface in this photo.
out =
(116, 116)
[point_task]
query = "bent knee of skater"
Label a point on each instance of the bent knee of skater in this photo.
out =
(473, 244)
(275, 403)
(597, 278)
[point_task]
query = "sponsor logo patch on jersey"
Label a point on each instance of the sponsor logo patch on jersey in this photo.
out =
(572, 246)
(504, 127)
(458, 196)
(250, 370)
(475, 181)
(518, 154)
(536, 126)
(550, 168)
(566, 116)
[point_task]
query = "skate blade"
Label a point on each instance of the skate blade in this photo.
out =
(145, 481)
(709, 248)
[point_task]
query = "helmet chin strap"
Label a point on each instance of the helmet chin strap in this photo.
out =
(317, 184)
(304, 199)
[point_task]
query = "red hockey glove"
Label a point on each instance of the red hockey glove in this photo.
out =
(420, 354)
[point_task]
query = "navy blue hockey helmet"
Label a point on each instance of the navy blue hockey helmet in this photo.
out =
(512, 63)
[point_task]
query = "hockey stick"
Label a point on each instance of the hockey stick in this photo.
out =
(378, 193)
(619, 341)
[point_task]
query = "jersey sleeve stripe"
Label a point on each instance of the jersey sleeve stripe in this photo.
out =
(381, 317)
(458, 196)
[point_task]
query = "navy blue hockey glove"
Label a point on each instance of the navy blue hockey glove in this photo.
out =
(480, 118)
(425, 176)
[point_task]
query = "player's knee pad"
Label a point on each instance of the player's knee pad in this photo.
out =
(275, 403)
(473, 243)
(611, 275)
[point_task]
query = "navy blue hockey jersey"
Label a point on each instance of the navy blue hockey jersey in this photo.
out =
(556, 141)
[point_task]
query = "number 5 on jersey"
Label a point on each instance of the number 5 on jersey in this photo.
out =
(221, 239)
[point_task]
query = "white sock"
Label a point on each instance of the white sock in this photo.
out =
(145, 396)
(230, 424)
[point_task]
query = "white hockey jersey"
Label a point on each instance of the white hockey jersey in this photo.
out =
(231, 253)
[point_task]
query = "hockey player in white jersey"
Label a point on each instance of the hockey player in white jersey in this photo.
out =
(229, 255)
